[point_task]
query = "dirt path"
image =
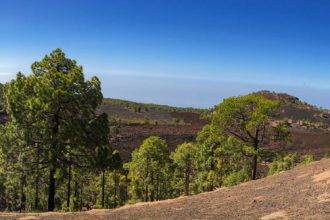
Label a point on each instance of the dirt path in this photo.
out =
(303, 193)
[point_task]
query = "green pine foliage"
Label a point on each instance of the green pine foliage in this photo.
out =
(53, 137)
(236, 178)
(247, 120)
(185, 167)
(149, 171)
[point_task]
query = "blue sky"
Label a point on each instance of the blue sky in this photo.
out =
(177, 52)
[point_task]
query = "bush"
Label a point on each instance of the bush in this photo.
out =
(236, 178)
(177, 121)
(287, 162)
(282, 163)
(97, 206)
(307, 159)
(146, 120)
(71, 208)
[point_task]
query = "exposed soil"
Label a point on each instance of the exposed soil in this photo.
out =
(302, 193)
(310, 142)
(131, 135)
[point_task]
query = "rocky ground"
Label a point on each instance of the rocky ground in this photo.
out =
(302, 193)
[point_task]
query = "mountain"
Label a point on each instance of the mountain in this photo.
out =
(133, 122)
(308, 124)
(301, 193)
(299, 113)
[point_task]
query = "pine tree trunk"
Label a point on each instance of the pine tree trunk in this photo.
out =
(115, 201)
(103, 182)
(186, 191)
(255, 160)
(81, 196)
(69, 188)
(157, 188)
(188, 182)
(51, 190)
(37, 180)
(23, 196)
(146, 193)
(254, 167)
(126, 187)
(212, 167)
(106, 200)
(36, 199)
(153, 188)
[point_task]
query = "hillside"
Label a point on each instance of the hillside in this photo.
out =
(302, 193)
(297, 113)
(309, 125)
(135, 122)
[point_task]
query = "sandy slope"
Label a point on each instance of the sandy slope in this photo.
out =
(302, 193)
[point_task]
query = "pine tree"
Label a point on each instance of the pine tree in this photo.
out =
(146, 169)
(53, 107)
(184, 159)
(247, 119)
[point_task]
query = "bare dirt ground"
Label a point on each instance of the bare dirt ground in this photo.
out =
(302, 193)
(131, 135)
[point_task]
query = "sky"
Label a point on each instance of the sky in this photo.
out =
(177, 52)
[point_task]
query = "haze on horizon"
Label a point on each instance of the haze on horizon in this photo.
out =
(183, 53)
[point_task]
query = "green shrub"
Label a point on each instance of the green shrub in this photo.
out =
(146, 120)
(307, 159)
(236, 178)
(97, 206)
(282, 163)
(287, 162)
(71, 208)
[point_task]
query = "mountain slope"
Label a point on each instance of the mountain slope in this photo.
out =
(135, 122)
(309, 125)
(298, 113)
(302, 193)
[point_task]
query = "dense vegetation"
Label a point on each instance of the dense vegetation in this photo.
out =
(55, 152)
(138, 107)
